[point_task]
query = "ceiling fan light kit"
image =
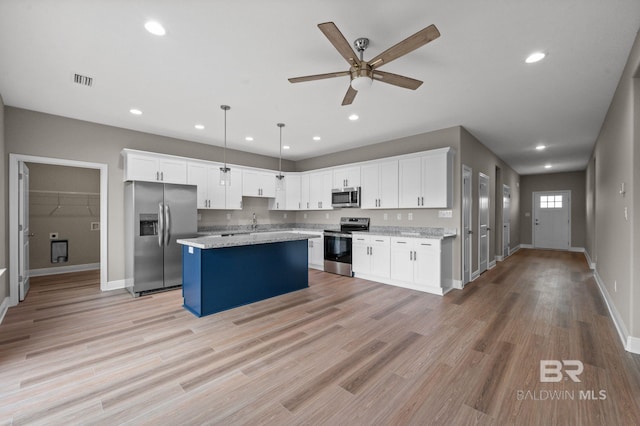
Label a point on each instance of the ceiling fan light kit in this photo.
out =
(361, 72)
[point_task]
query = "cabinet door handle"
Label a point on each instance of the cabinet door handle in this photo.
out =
(371, 251)
(157, 175)
(307, 204)
(162, 176)
(415, 255)
(418, 201)
(278, 205)
(422, 201)
(411, 255)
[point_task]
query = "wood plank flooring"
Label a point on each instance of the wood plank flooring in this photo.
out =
(343, 352)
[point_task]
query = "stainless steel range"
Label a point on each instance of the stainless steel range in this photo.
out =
(337, 245)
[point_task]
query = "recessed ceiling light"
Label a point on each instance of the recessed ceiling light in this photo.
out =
(353, 117)
(199, 126)
(248, 138)
(547, 166)
(540, 147)
(316, 138)
(535, 57)
(155, 28)
(135, 111)
(285, 147)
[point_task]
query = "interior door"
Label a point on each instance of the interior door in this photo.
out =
(23, 228)
(483, 222)
(466, 225)
(551, 220)
(506, 220)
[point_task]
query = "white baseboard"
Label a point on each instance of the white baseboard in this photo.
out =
(474, 275)
(491, 265)
(514, 249)
(631, 344)
(114, 285)
(4, 306)
(457, 284)
(499, 258)
(526, 246)
(591, 264)
(63, 269)
(577, 249)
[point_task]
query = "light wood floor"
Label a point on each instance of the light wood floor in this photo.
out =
(343, 352)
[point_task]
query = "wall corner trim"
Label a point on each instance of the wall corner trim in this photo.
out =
(513, 250)
(114, 285)
(631, 344)
(4, 307)
(591, 264)
(491, 265)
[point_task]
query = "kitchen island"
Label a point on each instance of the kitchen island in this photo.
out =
(220, 273)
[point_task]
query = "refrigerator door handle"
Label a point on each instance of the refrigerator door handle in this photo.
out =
(160, 224)
(167, 221)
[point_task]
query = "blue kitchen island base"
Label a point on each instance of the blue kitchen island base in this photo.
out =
(217, 279)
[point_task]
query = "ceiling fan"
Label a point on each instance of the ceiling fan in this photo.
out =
(363, 72)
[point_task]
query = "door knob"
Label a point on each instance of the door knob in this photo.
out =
(31, 234)
(470, 232)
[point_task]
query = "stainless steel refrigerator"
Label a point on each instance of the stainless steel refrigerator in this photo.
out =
(156, 215)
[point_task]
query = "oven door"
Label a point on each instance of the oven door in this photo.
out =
(337, 253)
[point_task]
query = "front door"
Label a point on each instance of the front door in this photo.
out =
(23, 230)
(483, 222)
(552, 220)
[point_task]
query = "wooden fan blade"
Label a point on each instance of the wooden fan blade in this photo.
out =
(318, 76)
(341, 44)
(407, 45)
(350, 96)
(396, 80)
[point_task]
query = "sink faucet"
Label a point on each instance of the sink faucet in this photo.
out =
(254, 222)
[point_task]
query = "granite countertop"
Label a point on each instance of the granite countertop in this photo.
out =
(433, 233)
(213, 241)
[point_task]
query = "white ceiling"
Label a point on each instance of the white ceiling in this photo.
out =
(241, 53)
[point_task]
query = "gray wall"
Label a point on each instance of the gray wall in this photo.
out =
(72, 220)
(34, 133)
(480, 159)
(616, 246)
(4, 186)
(572, 181)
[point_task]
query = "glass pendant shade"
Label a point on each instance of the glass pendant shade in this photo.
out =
(280, 176)
(280, 182)
(225, 172)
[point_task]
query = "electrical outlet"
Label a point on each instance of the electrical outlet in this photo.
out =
(399, 216)
(385, 216)
(228, 216)
(410, 216)
(326, 216)
(304, 215)
(445, 213)
(199, 217)
(615, 286)
(284, 215)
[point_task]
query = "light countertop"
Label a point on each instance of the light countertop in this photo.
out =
(214, 242)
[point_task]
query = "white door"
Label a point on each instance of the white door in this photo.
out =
(552, 219)
(466, 225)
(506, 221)
(23, 230)
(483, 222)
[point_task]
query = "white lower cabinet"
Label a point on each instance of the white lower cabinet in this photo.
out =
(422, 263)
(371, 256)
(316, 251)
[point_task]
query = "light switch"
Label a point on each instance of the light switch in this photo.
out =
(228, 216)
(284, 215)
(399, 216)
(527, 214)
(385, 216)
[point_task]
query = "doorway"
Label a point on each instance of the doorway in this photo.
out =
(467, 229)
(483, 222)
(552, 220)
(16, 256)
(506, 220)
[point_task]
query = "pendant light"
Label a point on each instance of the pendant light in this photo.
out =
(225, 172)
(280, 176)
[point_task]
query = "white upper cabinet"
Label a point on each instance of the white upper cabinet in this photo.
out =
(346, 177)
(151, 167)
(233, 190)
(320, 185)
(292, 192)
(426, 181)
(379, 183)
(258, 184)
(212, 195)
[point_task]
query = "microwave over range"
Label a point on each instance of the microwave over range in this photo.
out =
(345, 197)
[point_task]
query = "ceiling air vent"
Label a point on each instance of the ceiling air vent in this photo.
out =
(83, 80)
